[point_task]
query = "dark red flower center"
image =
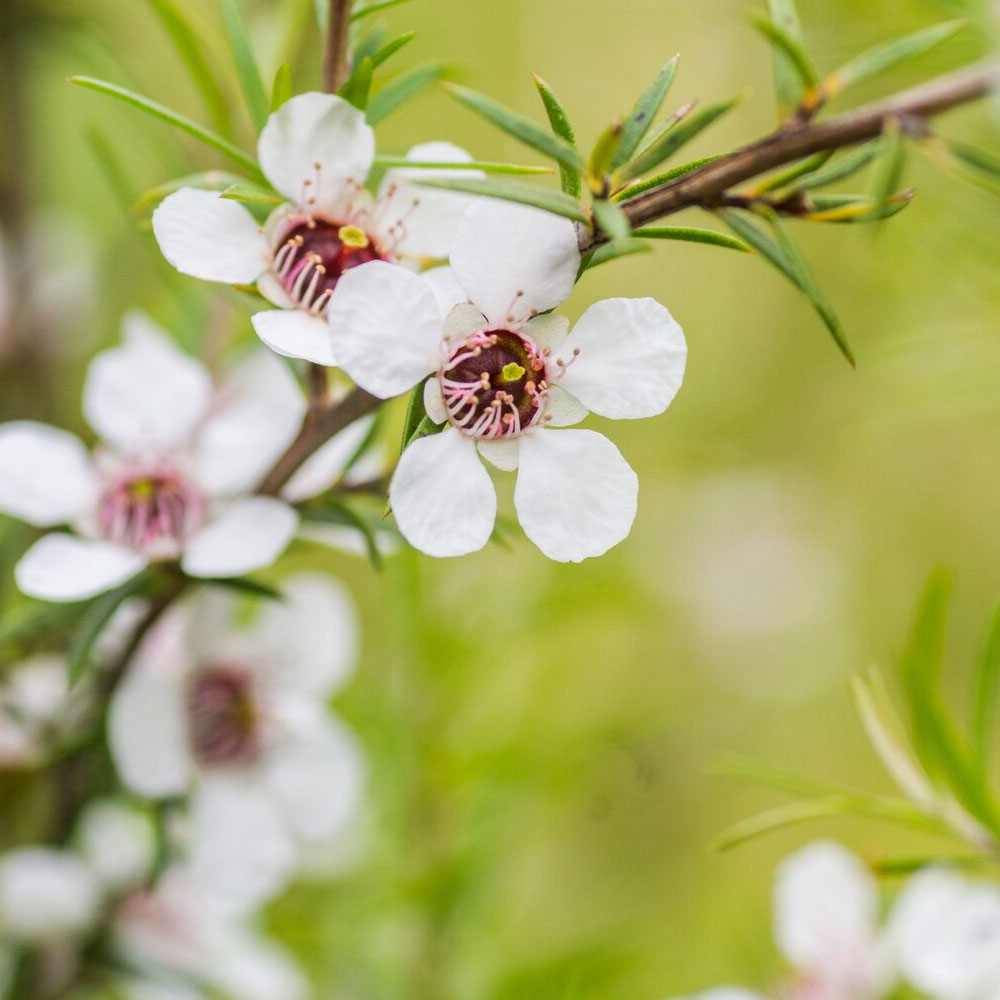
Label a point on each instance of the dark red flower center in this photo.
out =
(223, 717)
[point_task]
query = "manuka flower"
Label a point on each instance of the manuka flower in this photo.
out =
(174, 476)
(316, 150)
(236, 717)
(505, 374)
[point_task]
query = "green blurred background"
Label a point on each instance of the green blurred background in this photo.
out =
(541, 736)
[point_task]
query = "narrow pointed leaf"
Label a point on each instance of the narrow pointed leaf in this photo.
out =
(661, 180)
(888, 169)
(415, 415)
(390, 48)
(979, 159)
(641, 117)
(786, 177)
(611, 220)
(246, 64)
(842, 167)
(281, 89)
(357, 89)
(599, 163)
(335, 512)
(244, 585)
(376, 7)
(788, 47)
(190, 50)
(678, 134)
(556, 202)
(518, 126)
(787, 81)
(854, 208)
(688, 234)
(251, 195)
(401, 89)
(516, 169)
(986, 689)
(570, 177)
(179, 121)
(612, 251)
(885, 57)
(210, 180)
(783, 255)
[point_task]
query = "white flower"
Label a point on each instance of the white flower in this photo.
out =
(826, 924)
(32, 697)
(946, 931)
(505, 374)
(316, 150)
(236, 717)
(181, 942)
(173, 477)
(46, 894)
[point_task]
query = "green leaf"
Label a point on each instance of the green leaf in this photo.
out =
(357, 89)
(611, 220)
(807, 166)
(335, 512)
(377, 7)
(571, 178)
(401, 89)
(789, 50)
(641, 117)
(888, 170)
(415, 415)
(612, 251)
(986, 687)
(599, 163)
(885, 57)
(485, 167)
(390, 48)
(246, 65)
(526, 194)
(768, 775)
(95, 618)
(785, 257)
(854, 208)
(210, 180)
(179, 121)
(243, 585)
(518, 126)
(251, 195)
(190, 50)
(281, 89)
(691, 235)
(680, 131)
(978, 159)
(787, 80)
(661, 180)
(842, 168)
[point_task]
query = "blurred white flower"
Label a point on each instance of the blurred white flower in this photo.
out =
(946, 933)
(236, 717)
(503, 375)
(316, 150)
(118, 843)
(827, 925)
(32, 696)
(174, 476)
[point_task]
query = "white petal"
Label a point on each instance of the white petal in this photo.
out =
(312, 129)
(309, 640)
(296, 334)
(147, 716)
(430, 217)
(825, 909)
(318, 777)
(118, 841)
(631, 360)
(62, 567)
(46, 893)
(250, 967)
(502, 454)
(564, 408)
(385, 327)
(548, 331)
(442, 497)
(434, 401)
(501, 249)
(241, 848)
(462, 321)
(45, 474)
(575, 494)
(257, 414)
(325, 467)
(145, 393)
(250, 535)
(445, 286)
(210, 237)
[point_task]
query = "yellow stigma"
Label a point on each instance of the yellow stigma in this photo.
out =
(352, 236)
(511, 372)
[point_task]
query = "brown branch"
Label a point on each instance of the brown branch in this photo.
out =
(706, 186)
(321, 422)
(336, 66)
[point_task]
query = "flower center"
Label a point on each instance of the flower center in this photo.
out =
(150, 512)
(223, 717)
(494, 384)
(313, 254)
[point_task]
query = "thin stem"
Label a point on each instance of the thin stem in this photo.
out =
(706, 186)
(336, 67)
(321, 422)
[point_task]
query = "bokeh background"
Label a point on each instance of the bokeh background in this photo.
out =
(541, 737)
